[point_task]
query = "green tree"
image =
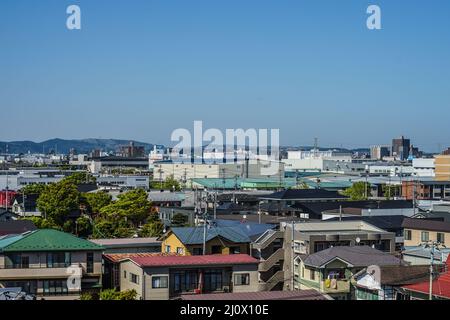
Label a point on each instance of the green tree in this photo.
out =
(390, 191)
(358, 191)
(179, 220)
(132, 206)
(86, 296)
(83, 227)
(58, 200)
(152, 229)
(42, 223)
(108, 228)
(78, 178)
(35, 188)
(169, 184)
(112, 294)
(96, 201)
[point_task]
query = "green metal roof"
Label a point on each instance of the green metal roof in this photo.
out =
(48, 240)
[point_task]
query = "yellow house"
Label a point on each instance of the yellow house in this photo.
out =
(219, 240)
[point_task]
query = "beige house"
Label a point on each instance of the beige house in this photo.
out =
(419, 231)
(50, 264)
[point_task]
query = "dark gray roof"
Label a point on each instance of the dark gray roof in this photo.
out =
(319, 207)
(298, 194)
(425, 224)
(16, 227)
(357, 256)
(383, 222)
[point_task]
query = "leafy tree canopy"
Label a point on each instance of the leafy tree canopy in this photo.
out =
(58, 200)
(358, 191)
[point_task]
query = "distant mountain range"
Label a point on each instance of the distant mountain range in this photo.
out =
(87, 145)
(64, 146)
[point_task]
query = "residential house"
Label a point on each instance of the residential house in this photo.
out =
(42, 262)
(6, 215)
(26, 206)
(421, 255)
(440, 287)
(384, 282)
(218, 240)
(111, 266)
(420, 231)
(330, 271)
(170, 277)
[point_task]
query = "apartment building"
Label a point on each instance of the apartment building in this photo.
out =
(424, 189)
(442, 167)
(50, 264)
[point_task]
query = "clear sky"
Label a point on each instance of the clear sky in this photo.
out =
(139, 69)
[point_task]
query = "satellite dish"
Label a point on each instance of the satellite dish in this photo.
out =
(358, 240)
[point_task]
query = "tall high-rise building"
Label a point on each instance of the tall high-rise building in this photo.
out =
(400, 148)
(379, 152)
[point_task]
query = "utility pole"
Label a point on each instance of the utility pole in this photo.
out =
(6, 194)
(293, 255)
(433, 245)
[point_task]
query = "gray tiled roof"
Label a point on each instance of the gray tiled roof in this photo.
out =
(357, 256)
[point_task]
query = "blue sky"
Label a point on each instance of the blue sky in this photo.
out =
(139, 69)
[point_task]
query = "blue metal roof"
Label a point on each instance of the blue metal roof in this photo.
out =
(194, 235)
(9, 239)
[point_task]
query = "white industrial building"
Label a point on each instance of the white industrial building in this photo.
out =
(423, 167)
(245, 169)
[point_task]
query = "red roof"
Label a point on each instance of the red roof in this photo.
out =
(220, 259)
(441, 285)
(263, 295)
(117, 257)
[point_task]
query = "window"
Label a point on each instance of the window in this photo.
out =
(312, 275)
(197, 251)
(213, 280)
(168, 249)
(216, 249)
(134, 278)
(90, 262)
(440, 237)
(408, 235)
(180, 250)
(425, 236)
(242, 279)
(125, 274)
(235, 250)
(25, 262)
(58, 259)
(55, 287)
(160, 282)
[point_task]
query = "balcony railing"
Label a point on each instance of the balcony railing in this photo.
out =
(338, 286)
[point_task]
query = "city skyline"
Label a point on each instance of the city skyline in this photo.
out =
(309, 68)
